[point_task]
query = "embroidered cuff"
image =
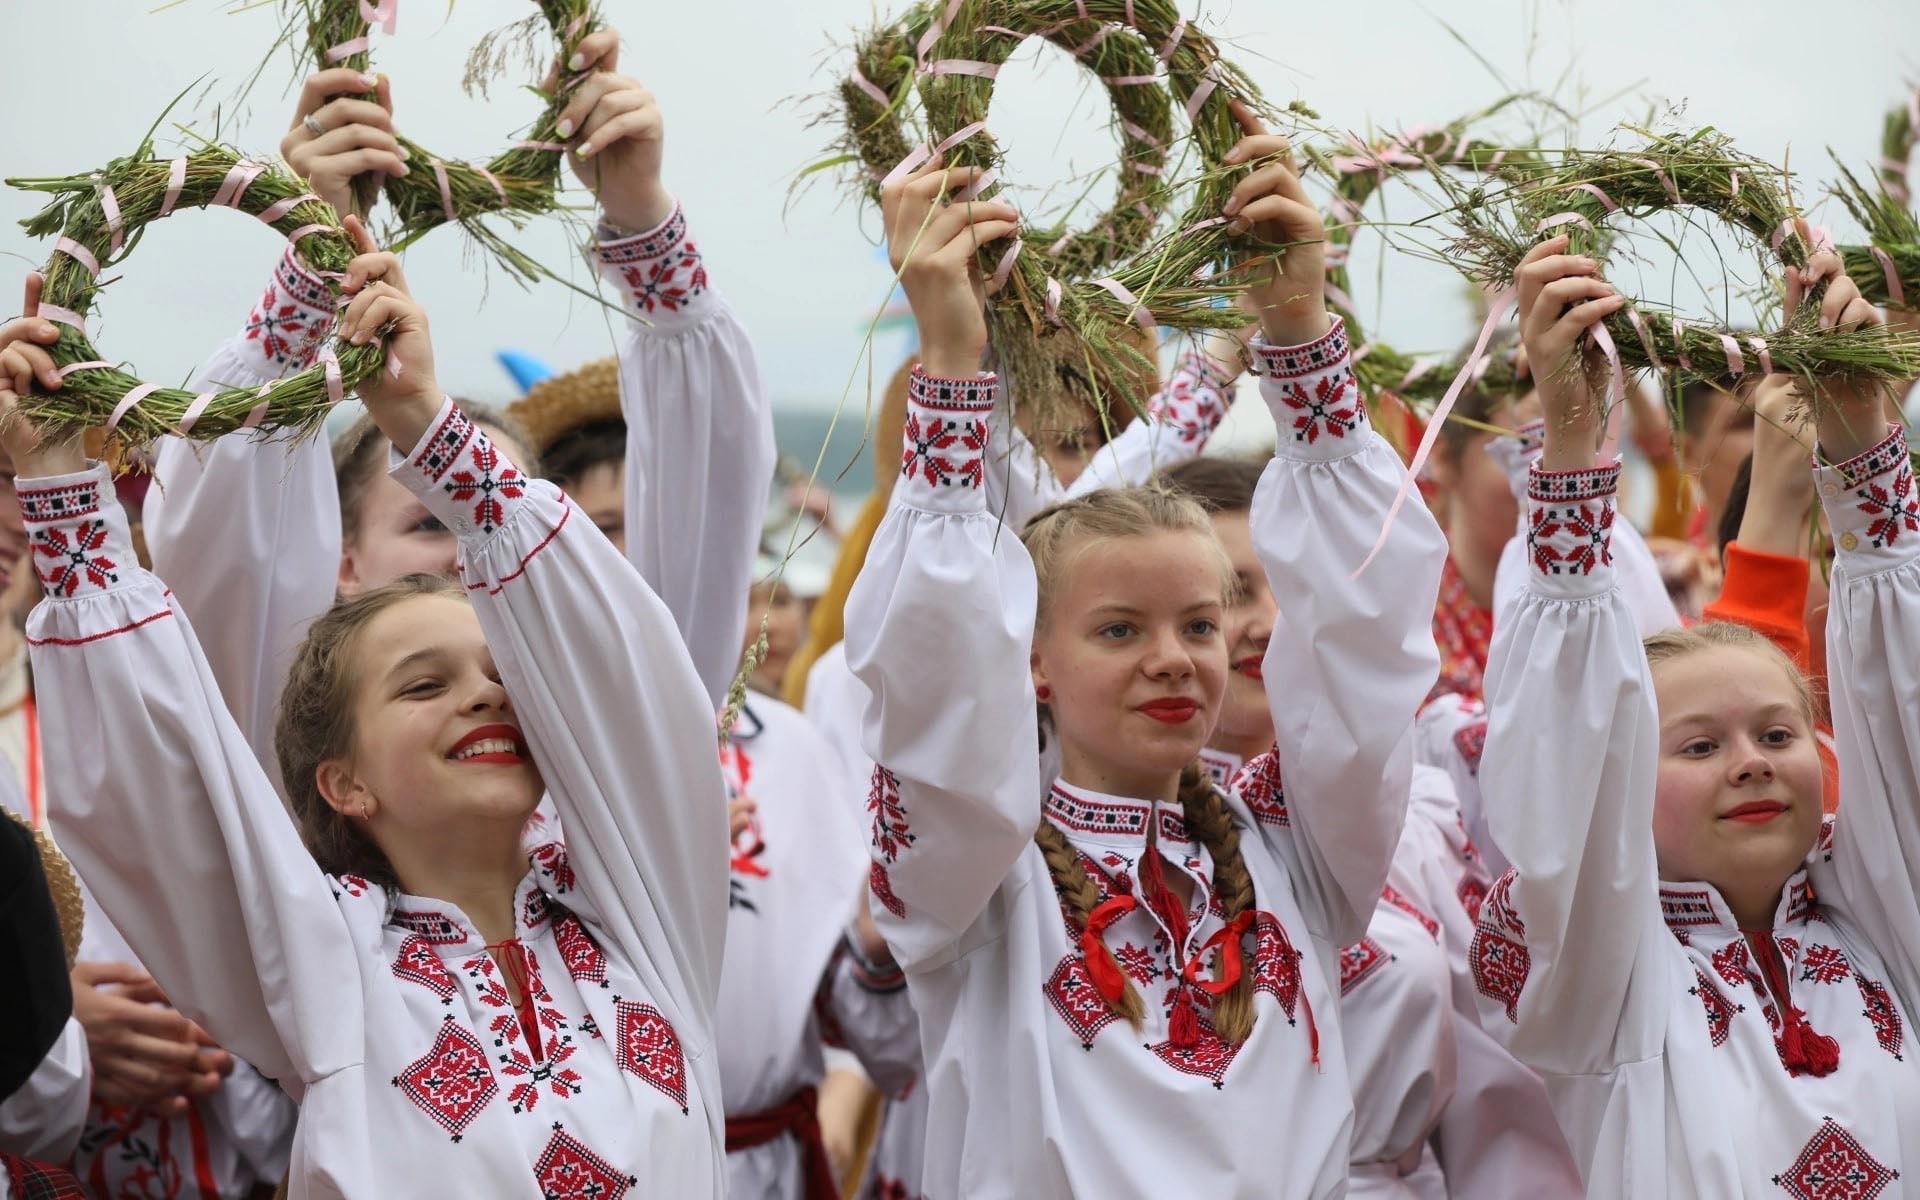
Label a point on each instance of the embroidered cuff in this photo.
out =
(1317, 411)
(1570, 530)
(1516, 453)
(1871, 505)
(292, 320)
(76, 533)
(1194, 401)
(944, 442)
(461, 478)
(660, 271)
(867, 974)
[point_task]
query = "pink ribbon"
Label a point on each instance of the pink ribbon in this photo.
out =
(963, 66)
(239, 178)
(64, 316)
(176, 180)
(1736, 364)
(1143, 168)
(79, 254)
(281, 208)
(1666, 180)
(1495, 314)
(259, 412)
(336, 390)
(1053, 300)
(1895, 293)
(191, 417)
(1733, 183)
(384, 13)
(446, 190)
(1140, 135)
(550, 147)
(308, 230)
(498, 188)
(1130, 80)
(1616, 385)
(1131, 19)
(1208, 84)
(1060, 245)
(1593, 190)
(1759, 348)
(1093, 42)
(110, 208)
(1565, 218)
(1005, 268)
(938, 27)
(1173, 41)
(1421, 366)
(871, 88)
(973, 190)
(90, 365)
(128, 402)
(1646, 335)
(924, 153)
(1339, 298)
(1138, 314)
(1679, 344)
(348, 49)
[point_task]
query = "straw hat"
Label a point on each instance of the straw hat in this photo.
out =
(560, 404)
(68, 903)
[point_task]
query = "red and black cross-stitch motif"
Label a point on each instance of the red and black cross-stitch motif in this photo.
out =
(1687, 908)
(452, 1083)
(293, 317)
(1209, 1056)
(1719, 1009)
(1473, 894)
(1262, 790)
(1498, 954)
(892, 833)
(1292, 362)
(1572, 487)
(1887, 1026)
(667, 284)
(444, 446)
(579, 951)
(1192, 403)
(1882, 485)
(1395, 897)
(41, 505)
(944, 451)
(354, 886)
(550, 859)
(1824, 964)
(436, 927)
(1139, 962)
(1835, 1166)
(647, 1046)
(1071, 992)
(1361, 961)
(485, 480)
(568, 1170)
(419, 963)
(1802, 904)
(621, 251)
(529, 1080)
(1471, 743)
(1080, 814)
(535, 909)
(1571, 539)
(73, 558)
(881, 885)
(1730, 962)
(1276, 964)
(1332, 407)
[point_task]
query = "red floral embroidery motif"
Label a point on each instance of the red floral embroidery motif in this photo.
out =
(353, 885)
(648, 1047)
(75, 557)
(1463, 633)
(1208, 1058)
(1824, 964)
(1276, 964)
(1139, 962)
(1473, 894)
(944, 451)
(484, 485)
(532, 1077)
(669, 283)
(579, 951)
(1719, 1010)
(1190, 404)
(1834, 1166)
(1887, 1028)
(1334, 406)
(1894, 509)
(567, 1170)
(1071, 992)
(1261, 789)
(1360, 961)
(890, 831)
(1393, 896)
(1586, 530)
(1730, 963)
(418, 963)
(550, 859)
(1498, 954)
(452, 1083)
(882, 889)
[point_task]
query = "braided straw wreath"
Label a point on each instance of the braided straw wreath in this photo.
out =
(519, 183)
(1887, 268)
(1049, 301)
(99, 219)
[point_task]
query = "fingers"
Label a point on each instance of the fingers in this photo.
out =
(322, 86)
(94, 974)
(1258, 146)
(628, 113)
(1248, 120)
(27, 364)
(373, 311)
(343, 152)
(346, 113)
(598, 51)
(31, 304)
(1272, 208)
(362, 239)
(1582, 316)
(381, 266)
(1543, 265)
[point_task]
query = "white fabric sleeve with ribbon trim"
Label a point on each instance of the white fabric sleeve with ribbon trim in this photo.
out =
(939, 629)
(1351, 658)
(610, 706)
(246, 529)
(1571, 957)
(160, 802)
(700, 447)
(1871, 869)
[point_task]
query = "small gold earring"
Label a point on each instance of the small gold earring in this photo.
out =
(363, 811)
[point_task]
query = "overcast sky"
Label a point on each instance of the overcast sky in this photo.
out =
(1782, 76)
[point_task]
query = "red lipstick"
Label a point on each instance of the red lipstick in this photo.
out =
(1754, 812)
(497, 758)
(1171, 711)
(1251, 667)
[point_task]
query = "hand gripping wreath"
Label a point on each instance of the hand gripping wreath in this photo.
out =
(519, 183)
(1887, 268)
(1050, 300)
(1700, 171)
(99, 219)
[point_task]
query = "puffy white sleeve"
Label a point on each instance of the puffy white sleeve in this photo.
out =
(864, 1008)
(1351, 658)
(939, 629)
(1872, 870)
(611, 707)
(44, 1119)
(1570, 955)
(161, 804)
(700, 450)
(246, 529)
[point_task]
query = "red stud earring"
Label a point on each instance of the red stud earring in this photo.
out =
(1043, 693)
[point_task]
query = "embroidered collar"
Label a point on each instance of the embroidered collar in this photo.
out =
(444, 927)
(1220, 766)
(1090, 816)
(1689, 906)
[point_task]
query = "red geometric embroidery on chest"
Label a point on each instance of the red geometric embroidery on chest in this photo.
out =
(1473, 894)
(535, 910)
(1835, 1166)
(1730, 962)
(1139, 962)
(1584, 535)
(891, 833)
(1071, 992)
(531, 1080)
(1824, 964)
(550, 859)
(881, 886)
(74, 558)
(1498, 954)
(579, 951)
(647, 1046)
(1893, 507)
(1471, 742)
(1396, 898)
(1333, 406)
(1360, 961)
(567, 1170)
(1880, 1009)
(1209, 1057)
(1276, 969)
(419, 963)
(1719, 1010)
(483, 481)
(452, 1083)
(944, 451)
(1262, 791)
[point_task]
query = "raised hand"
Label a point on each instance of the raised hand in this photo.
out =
(404, 397)
(1560, 296)
(1852, 416)
(337, 135)
(617, 135)
(1289, 295)
(932, 240)
(25, 369)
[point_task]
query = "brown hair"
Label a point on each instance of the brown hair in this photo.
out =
(1501, 385)
(1212, 823)
(315, 723)
(1221, 485)
(360, 451)
(580, 450)
(1670, 644)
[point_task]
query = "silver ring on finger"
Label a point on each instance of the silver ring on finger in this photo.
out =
(313, 125)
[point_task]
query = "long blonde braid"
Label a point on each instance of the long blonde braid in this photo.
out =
(1212, 823)
(1079, 896)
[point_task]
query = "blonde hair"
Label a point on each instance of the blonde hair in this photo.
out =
(1670, 644)
(315, 724)
(1055, 536)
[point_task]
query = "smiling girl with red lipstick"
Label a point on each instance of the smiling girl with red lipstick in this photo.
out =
(1717, 992)
(1137, 997)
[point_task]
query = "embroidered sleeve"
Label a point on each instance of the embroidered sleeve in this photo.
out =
(77, 534)
(944, 442)
(1871, 505)
(292, 320)
(1194, 400)
(660, 273)
(461, 477)
(1317, 410)
(1570, 530)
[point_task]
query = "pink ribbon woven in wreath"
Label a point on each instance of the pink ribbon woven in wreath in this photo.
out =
(176, 180)
(79, 254)
(110, 209)
(239, 178)
(924, 153)
(1896, 294)
(1137, 313)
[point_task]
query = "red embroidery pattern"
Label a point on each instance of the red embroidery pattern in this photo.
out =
(944, 451)
(1730, 963)
(1276, 969)
(1360, 961)
(648, 1047)
(532, 1077)
(292, 318)
(882, 888)
(435, 927)
(891, 832)
(1473, 894)
(1463, 633)
(1834, 1166)
(352, 885)
(550, 859)
(579, 951)
(1262, 790)
(444, 445)
(419, 963)
(1072, 994)
(1138, 962)
(1471, 742)
(567, 1170)
(484, 482)
(1571, 540)
(64, 502)
(1209, 1057)
(1191, 404)
(1719, 1010)
(1111, 818)
(1292, 362)
(1887, 1027)
(74, 557)
(1891, 503)
(1824, 964)
(1686, 908)
(1393, 896)
(1498, 953)
(451, 1083)
(1333, 407)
